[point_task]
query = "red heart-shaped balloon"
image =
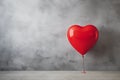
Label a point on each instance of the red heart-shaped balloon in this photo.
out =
(82, 38)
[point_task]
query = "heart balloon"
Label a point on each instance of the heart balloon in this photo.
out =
(82, 38)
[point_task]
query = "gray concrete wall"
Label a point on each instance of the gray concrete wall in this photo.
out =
(33, 34)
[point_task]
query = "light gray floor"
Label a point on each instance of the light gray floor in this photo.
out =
(59, 75)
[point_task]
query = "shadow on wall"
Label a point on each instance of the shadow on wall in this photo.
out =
(106, 45)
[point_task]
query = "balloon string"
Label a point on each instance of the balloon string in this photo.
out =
(83, 70)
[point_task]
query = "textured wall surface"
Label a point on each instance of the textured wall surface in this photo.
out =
(33, 34)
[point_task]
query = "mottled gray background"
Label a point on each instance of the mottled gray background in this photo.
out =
(33, 34)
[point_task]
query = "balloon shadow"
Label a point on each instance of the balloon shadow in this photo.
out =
(107, 43)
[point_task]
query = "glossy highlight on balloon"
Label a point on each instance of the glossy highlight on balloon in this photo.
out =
(82, 38)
